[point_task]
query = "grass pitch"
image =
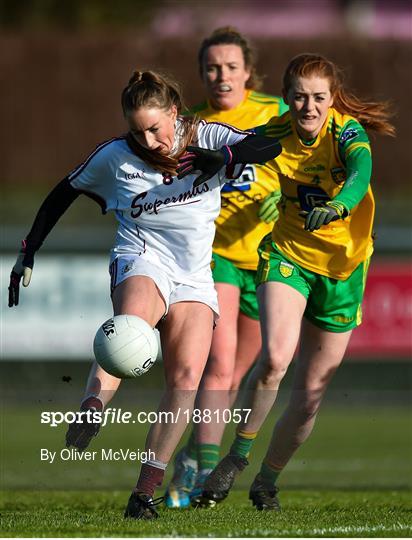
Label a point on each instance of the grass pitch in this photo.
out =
(352, 478)
(305, 514)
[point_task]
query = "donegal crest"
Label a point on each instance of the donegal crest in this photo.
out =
(286, 269)
(338, 175)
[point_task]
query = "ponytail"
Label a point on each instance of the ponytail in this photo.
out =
(152, 90)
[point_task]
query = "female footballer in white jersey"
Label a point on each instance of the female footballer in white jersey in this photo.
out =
(160, 263)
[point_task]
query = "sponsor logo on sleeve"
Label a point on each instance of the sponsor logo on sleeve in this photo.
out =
(347, 135)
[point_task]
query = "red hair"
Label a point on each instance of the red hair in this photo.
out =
(372, 115)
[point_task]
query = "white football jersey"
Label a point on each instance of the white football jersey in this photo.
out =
(166, 221)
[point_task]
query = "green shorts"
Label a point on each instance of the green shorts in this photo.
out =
(332, 304)
(225, 271)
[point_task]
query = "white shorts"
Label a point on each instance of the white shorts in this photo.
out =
(125, 266)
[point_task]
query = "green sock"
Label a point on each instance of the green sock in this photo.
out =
(269, 475)
(243, 443)
(207, 456)
(191, 447)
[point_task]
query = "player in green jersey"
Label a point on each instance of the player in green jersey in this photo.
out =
(312, 268)
(227, 68)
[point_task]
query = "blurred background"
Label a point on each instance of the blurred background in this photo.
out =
(63, 66)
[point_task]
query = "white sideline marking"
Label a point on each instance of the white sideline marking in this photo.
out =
(362, 528)
(334, 530)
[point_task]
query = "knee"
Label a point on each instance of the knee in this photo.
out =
(218, 374)
(184, 378)
(273, 366)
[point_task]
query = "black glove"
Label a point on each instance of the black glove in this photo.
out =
(22, 269)
(80, 434)
(251, 149)
(200, 159)
(322, 215)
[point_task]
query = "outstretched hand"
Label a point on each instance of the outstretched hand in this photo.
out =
(268, 210)
(322, 215)
(22, 269)
(208, 162)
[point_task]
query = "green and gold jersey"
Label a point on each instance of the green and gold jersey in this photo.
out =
(316, 172)
(238, 227)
